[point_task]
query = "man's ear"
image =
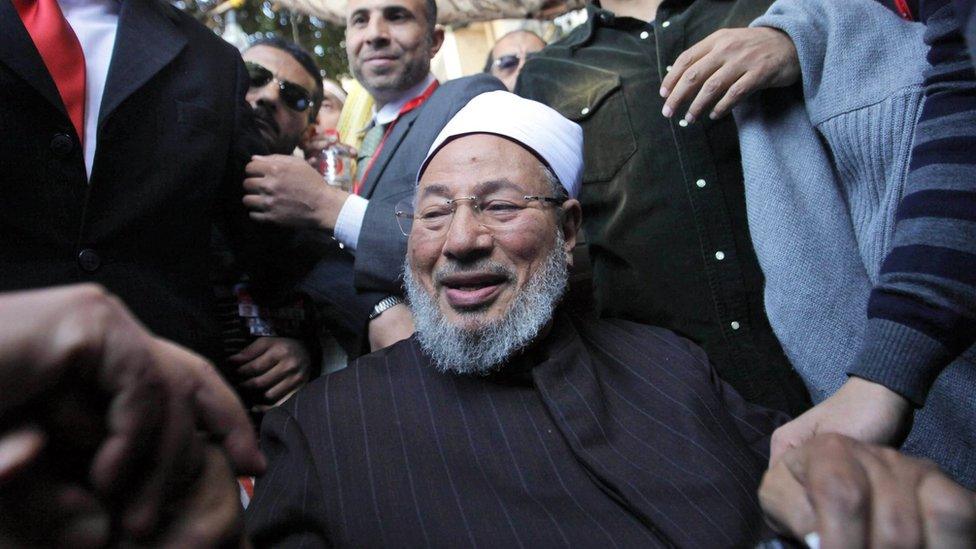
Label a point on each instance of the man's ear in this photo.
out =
(572, 219)
(437, 40)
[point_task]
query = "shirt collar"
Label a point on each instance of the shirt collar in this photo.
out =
(391, 111)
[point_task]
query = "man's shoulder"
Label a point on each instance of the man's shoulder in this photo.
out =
(474, 84)
(196, 33)
(642, 339)
(565, 75)
(453, 95)
(375, 375)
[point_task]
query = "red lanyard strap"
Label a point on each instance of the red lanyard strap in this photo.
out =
(407, 107)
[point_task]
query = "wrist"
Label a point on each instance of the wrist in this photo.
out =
(384, 305)
(330, 204)
(872, 391)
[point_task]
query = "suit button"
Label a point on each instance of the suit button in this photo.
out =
(61, 144)
(88, 260)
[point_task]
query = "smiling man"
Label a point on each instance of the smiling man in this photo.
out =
(389, 44)
(504, 421)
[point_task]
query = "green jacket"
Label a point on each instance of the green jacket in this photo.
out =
(663, 203)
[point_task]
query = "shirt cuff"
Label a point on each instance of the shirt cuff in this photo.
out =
(350, 221)
(900, 358)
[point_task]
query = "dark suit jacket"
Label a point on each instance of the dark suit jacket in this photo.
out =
(607, 433)
(351, 284)
(172, 143)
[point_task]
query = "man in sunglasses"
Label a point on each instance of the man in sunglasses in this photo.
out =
(390, 44)
(285, 92)
(270, 352)
(507, 56)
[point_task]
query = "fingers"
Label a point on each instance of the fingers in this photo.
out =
(690, 83)
(257, 348)
(256, 185)
(274, 375)
(895, 519)
(727, 67)
(866, 495)
(209, 514)
(285, 388)
(18, 449)
(259, 365)
(784, 501)
(839, 491)
(791, 435)
(719, 85)
(255, 202)
(687, 58)
(948, 512)
(746, 85)
(220, 413)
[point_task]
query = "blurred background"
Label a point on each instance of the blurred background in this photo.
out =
(471, 27)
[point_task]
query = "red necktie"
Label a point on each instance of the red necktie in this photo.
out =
(61, 51)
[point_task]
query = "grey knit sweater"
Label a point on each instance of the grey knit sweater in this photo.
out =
(825, 168)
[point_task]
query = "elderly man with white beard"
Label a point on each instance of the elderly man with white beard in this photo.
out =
(505, 421)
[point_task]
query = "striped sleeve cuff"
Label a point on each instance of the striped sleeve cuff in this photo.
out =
(900, 358)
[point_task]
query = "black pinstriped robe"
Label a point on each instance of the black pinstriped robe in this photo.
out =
(607, 433)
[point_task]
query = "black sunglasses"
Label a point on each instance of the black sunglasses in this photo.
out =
(293, 96)
(507, 63)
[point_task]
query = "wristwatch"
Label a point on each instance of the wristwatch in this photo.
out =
(384, 304)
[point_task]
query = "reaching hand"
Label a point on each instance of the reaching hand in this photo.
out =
(285, 190)
(726, 67)
(852, 494)
(274, 366)
(99, 419)
(860, 409)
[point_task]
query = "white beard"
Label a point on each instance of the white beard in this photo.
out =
(489, 345)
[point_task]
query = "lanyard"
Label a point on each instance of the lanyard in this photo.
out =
(904, 10)
(407, 107)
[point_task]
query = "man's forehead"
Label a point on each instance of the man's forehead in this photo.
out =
(481, 163)
(514, 40)
(281, 63)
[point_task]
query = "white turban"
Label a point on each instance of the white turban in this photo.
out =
(538, 128)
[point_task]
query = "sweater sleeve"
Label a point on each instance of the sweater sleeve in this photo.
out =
(922, 312)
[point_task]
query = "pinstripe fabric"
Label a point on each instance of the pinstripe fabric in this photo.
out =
(607, 433)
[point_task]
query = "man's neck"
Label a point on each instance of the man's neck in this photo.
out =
(645, 10)
(386, 110)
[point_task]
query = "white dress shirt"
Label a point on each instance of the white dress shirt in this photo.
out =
(95, 23)
(350, 220)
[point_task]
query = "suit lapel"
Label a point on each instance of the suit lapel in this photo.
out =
(146, 41)
(400, 130)
(17, 51)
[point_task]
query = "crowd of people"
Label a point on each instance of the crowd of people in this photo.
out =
(698, 273)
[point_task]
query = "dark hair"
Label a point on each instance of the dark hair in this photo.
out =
(304, 59)
(491, 58)
(430, 10)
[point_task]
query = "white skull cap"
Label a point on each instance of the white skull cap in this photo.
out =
(540, 129)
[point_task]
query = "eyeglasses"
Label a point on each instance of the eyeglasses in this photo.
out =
(293, 96)
(507, 63)
(492, 212)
